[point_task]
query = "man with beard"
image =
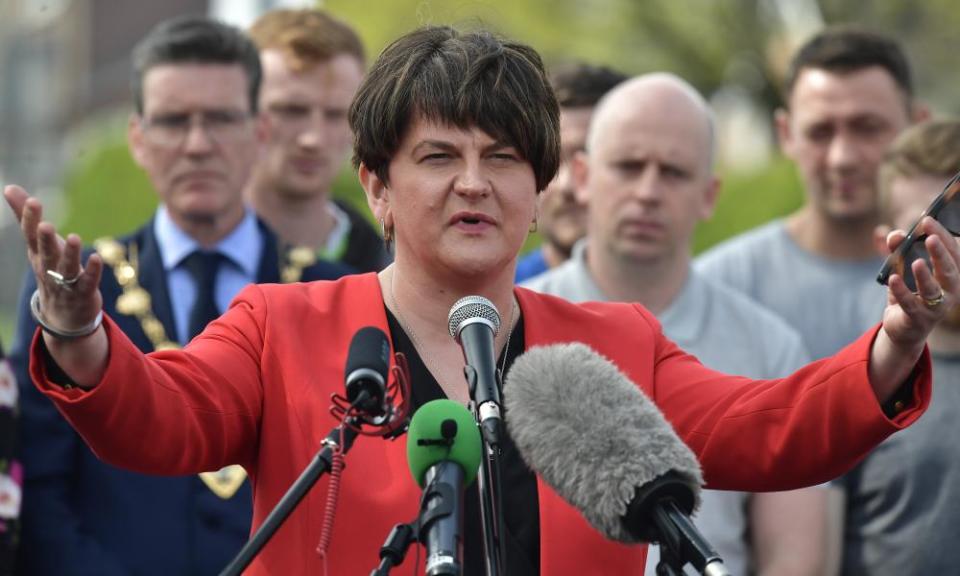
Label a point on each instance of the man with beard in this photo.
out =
(848, 94)
(903, 500)
(312, 66)
(562, 219)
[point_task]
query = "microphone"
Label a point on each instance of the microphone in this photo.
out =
(474, 322)
(368, 361)
(443, 452)
(603, 446)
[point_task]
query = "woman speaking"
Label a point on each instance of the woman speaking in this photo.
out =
(455, 135)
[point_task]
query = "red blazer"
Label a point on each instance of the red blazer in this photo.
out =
(255, 389)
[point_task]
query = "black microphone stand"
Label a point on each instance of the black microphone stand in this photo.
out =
(437, 503)
(669, 564)
(659, 513)
(403, 535)
(321, 463)
(395, 547)
(488, 483)
(680, 543)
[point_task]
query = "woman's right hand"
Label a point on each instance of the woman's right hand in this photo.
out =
(69, 293)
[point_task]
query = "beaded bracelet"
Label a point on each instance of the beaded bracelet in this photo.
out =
(62, 334)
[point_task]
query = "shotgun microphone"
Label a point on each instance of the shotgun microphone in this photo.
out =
(606, 448)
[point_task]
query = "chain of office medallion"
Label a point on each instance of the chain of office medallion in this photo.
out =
(136, 301)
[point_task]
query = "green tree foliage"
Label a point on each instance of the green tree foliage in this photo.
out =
(749, 199)
(711, 43)
(106, 194)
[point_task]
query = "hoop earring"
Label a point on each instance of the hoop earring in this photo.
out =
(387, 234)
(533, 226)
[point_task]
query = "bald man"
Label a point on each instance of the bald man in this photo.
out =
(561, 219)
(647, 179)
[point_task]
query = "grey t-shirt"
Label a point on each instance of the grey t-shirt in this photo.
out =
(830, 302)
(725, 331)
(903, 500)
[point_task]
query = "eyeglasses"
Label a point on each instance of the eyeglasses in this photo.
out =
(944, 209)
(171, 130)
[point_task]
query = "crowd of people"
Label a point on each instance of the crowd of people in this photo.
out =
(166, 387)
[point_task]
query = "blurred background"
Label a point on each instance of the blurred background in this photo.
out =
(64, 95)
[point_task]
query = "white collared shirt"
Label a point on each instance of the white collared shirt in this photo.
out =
(242, 249)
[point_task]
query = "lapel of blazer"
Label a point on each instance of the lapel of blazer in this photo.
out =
(153, 277)
(566, 539)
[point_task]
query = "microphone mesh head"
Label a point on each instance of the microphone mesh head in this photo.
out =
(591, 433)
(470, 307)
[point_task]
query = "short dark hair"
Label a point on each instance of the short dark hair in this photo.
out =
(461, 79)
(195, 39)
(580, 85)
(845, 49)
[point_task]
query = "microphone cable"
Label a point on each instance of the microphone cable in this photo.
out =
(333, 491)
(391, 425)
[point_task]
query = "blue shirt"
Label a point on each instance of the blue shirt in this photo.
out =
(242, 248)
(533, 264)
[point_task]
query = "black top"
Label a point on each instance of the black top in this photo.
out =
(521, 514)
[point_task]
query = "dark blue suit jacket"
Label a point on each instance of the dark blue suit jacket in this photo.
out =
(84, 517)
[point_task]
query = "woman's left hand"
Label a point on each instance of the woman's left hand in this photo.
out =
(910, 317)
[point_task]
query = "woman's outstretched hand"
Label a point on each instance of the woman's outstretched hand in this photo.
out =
(910, 317)
(68, 292)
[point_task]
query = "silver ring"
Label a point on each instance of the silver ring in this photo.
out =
(61, 281)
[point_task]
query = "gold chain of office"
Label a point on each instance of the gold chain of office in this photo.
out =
(135, 301)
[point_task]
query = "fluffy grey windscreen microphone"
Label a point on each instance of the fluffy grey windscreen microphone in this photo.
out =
(590, 432)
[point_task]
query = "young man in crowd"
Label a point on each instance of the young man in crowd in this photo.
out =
(312, 66)
(848, 94)
(902, 502)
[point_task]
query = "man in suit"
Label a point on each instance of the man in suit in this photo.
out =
(312, 66)
(195, 132)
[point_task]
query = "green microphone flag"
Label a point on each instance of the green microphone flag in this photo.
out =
(443, 430)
